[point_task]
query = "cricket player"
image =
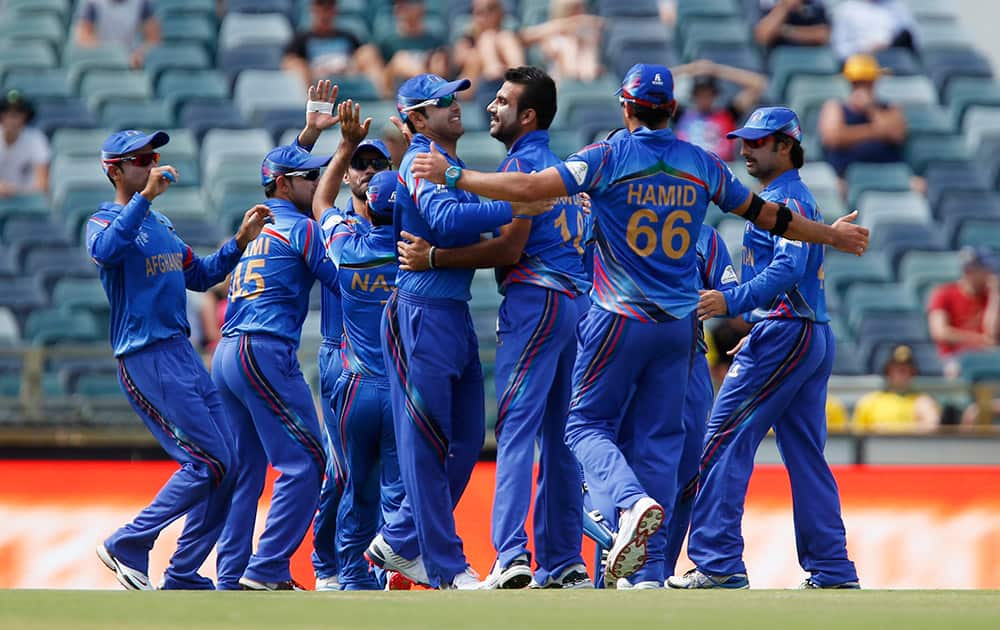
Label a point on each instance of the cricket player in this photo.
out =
(145, 268)
(778, 380)
(255, 366)
(650, 192)
(431, 350)
(541, 275)
(368, 158)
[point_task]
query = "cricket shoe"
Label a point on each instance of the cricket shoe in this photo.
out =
(645, 585)
(396, 581)
(635, 526)
(467, 580)
(811, 583)
(517, 574)
(573, 576)
(381, 554)
(248, 584)
(331, 583)
(696, 579)
(132, 579)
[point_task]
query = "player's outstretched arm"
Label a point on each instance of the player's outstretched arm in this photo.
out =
(781, 221)
(352, 132)
(320, 112)
(203, 273)
(507, 186)
(416, 254)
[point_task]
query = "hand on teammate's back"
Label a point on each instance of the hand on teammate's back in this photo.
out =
(253, 222)
(849, 237)
(160, 178)
(711, 304)
(414, 252)
(532, 208)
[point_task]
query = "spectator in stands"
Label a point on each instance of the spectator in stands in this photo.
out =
(128, 23)
(704, 122)
(897, 407)
(485, 51)
(862, 128)
(24, 151)
(212, 315)
(964, 316)
(325, 50)
(411, 48)
(868, 26)
(570, 41)
(791, 23)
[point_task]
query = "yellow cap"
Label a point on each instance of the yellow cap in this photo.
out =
(862, 68)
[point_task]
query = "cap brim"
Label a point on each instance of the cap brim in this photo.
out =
(749, 134)
(155, 140)
(371, 144)
(316, 161)
(451, 87)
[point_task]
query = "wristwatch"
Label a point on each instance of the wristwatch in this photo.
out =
(451, 175)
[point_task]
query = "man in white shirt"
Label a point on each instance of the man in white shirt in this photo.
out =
(24, 151)
(868, 26)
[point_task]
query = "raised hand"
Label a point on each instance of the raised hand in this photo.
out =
(253, 222)
(414, 252)
(430, 166)
(849, 237)
(324, 91)
(351, 127)
(403, 129)
(160, 178)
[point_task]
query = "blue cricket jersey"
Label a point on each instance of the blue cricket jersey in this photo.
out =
(650, 194)
(145, 269)
(444, 217)
(331, 314)
(269, 289)
(781, 279)
(715, 269)
(553, 254)
(365, 257)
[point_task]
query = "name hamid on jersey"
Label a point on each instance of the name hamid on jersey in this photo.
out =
(661, 195)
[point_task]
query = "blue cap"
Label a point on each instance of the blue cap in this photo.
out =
(289, 158)
(382, 193)
(376, 144)
(424, 87)
(648, 85)
(978, 256)
(767, 120)
(129, 140)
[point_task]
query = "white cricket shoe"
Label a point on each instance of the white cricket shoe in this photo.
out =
(331, 583)
(382, 554)
(635, 526)
(467, 580)
(624, 585)
(249, 584)
(132, 579)
(574, 576)
(517, 574)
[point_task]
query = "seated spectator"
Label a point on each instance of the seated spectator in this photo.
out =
(24, 151)
(411, 49)
(485, 51)
(868, 26)
(862, 128)
(792, 23)
(964, 316)
(324, 50)
(897, 407)
(128, 23)
(570, 41)
(706, 123)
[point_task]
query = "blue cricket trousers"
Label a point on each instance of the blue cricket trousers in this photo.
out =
(778, 379)
(697, 408)
(325, 562)
(168, 386)
(436, 385)
(536, 349)
(374, 490)
(271, 411)
(631, 378)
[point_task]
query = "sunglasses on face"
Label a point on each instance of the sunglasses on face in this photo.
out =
(441, 101)
(755, 144)
(141, 160)
(377, 163)
(311, 175)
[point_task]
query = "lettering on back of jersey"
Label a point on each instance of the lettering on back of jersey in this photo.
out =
(368, 283)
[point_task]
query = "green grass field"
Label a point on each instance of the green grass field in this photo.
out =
(743, 610)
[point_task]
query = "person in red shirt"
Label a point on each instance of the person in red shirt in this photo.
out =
(964, 316)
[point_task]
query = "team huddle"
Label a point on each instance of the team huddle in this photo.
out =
(607, 272)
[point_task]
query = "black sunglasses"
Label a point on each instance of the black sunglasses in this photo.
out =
(310, 175)
(377, 163)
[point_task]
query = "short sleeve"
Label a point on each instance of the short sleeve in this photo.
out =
(585, 169)
(724, 188)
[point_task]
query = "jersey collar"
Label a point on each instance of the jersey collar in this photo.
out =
(788, 177)
(282, 206)
(538, 137)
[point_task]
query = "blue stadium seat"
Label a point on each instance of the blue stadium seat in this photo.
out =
(232, 61)
(847, 361)
(81, 59)
(788, 61)
(921, 271)
(980, 122)
(26, 55)
(185, 56)
(130, 114)
(194, 27)
(34, 27)
(842, 270)
(199, 232)
(962, 93)
(203, 116)
(50, 262)
(957, 206)
(276, 121)
(80, 294)
(925, 355)
(10, 335)
(946, 177)
(33, 230)
(99, 86)
(906, 89)
(864, 299)
(978, 233)
(923, 150)
(924, 119)
(633, 8)
(247, 29)
(78, 142)
(63, 113)
(234, 200)
(355, 87)
(897, 238)
(945, 65)
(283, 7)
(899, 61)
(980, 366)
(39, 83)
(863, 177)
(221, 146)
(22, 294)
(178, 87)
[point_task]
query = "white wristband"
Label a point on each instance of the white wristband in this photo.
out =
(319, 106)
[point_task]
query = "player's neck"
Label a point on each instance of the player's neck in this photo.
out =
(766, 181)
(448, 145)
(122, 196)
(360, 206)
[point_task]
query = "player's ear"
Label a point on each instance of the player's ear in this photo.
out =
(528, 115)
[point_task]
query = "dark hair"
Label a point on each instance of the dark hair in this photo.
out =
(539, 92)
(797, 154)
(409, 123)
(271, 188)
(649, 117)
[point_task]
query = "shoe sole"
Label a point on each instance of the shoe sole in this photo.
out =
(115, 567)
(516, 580)
(374, 559)
(632, 555)
(713, 585)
